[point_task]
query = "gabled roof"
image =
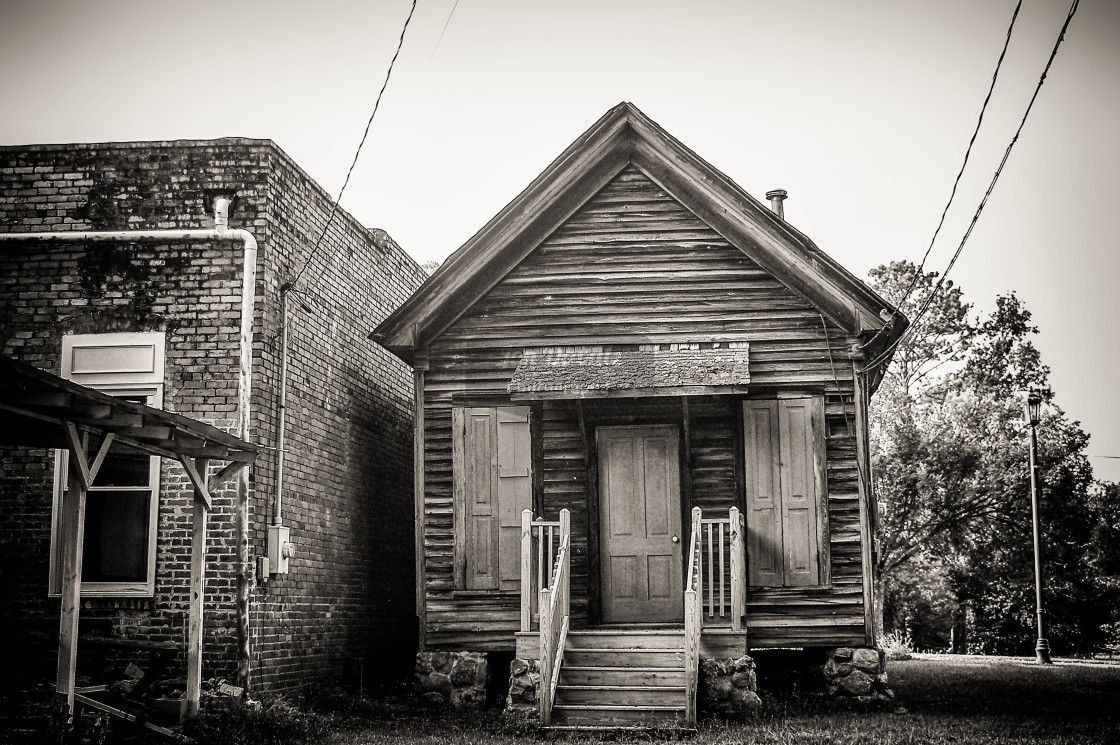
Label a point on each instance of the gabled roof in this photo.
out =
(625, 136)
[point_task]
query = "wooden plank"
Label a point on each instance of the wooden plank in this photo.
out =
(128, 716)
(198, 481)
(77, 449)
(459, 496)
(764, 524)
(865, 492)
(526, 570)
(722, 643)
(197, 588)
(73, 530)
(691, 652)
(227, 473)
(738, 576)
(99, 458)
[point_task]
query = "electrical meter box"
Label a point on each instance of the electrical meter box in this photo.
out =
(280, 549)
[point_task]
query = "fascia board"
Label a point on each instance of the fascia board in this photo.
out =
(581, 170)
(746, 224)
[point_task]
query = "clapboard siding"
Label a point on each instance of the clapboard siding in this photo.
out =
(633, 266)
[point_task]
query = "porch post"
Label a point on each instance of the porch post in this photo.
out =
(526, 570)
(73, 532)
(197, 594)
(737, 595)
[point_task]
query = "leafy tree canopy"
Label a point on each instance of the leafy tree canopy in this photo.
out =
(949, 451)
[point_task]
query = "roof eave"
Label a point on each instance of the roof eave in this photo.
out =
(536, 206)
(622, 136)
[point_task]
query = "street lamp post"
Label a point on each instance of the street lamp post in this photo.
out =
(1034, 412)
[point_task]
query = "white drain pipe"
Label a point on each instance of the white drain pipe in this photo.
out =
(220, 232)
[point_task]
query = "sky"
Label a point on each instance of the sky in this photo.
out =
(860, 109)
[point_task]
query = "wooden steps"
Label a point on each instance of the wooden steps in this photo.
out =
(621, 679)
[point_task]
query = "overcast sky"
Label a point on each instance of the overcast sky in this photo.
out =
(861, 110)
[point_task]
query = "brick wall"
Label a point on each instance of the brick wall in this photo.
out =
(348, 476)
(348, 482)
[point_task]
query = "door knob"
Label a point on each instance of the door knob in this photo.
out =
(676, 540)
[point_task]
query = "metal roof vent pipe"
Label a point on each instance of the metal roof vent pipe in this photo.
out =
(224, 203)
(776, 197)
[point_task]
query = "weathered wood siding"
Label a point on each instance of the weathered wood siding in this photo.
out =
(633, 266)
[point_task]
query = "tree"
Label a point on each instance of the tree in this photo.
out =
(950, 460)
(918, 460)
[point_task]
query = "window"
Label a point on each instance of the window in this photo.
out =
(491, 462)
(119, 545)
(787, 511)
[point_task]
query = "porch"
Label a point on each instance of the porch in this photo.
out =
(630, 673)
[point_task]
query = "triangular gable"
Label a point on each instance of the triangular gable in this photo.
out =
(625, 136)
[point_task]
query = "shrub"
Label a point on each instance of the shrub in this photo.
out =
(898, 645)
(230, 722)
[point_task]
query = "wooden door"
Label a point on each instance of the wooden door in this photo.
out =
(640, 524)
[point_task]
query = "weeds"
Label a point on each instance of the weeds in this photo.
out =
(943, 699)
(898, 645)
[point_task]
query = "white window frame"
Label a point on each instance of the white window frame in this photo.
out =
(120, 364)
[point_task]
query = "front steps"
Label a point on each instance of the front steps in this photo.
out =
(613, 679)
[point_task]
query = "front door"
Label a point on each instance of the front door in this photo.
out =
(640, 524)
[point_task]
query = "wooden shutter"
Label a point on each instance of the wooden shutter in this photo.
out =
(800, 424)
(491, 461)
(515, 490)
(476, 497)
(763, 484)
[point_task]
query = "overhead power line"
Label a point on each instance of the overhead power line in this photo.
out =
(967, 153)
(957, 180)
(441, 33)
(984, 201)
(354, 162)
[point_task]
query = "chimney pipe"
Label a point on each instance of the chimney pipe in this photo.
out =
(776, 197)
(224, 203)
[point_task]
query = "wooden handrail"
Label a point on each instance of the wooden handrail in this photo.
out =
(555, 608)
(539, 539)
(722, 587)
(693, 616)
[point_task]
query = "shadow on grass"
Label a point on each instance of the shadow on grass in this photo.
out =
(943, 700)
(1011, 687)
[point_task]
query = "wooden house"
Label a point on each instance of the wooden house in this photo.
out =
(641, 432)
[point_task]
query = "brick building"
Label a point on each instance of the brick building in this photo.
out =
(160, 321)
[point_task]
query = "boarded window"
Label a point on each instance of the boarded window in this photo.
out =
(492, 487)
(787, 518)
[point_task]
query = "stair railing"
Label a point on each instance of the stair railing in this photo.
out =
(693, 616)
(721, 585)
(540, 540)
(555, 607)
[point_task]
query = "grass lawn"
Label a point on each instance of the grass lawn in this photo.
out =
(942, 699)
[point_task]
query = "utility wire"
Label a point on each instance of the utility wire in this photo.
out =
(957, 180)
(354, 162)
(840, 393)
(976, 217)
(441, 33)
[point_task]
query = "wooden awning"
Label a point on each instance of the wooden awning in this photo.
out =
(39, 409)
(35, 406)
(595, 373)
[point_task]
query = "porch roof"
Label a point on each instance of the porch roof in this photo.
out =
(37, 408)
(583, 372)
